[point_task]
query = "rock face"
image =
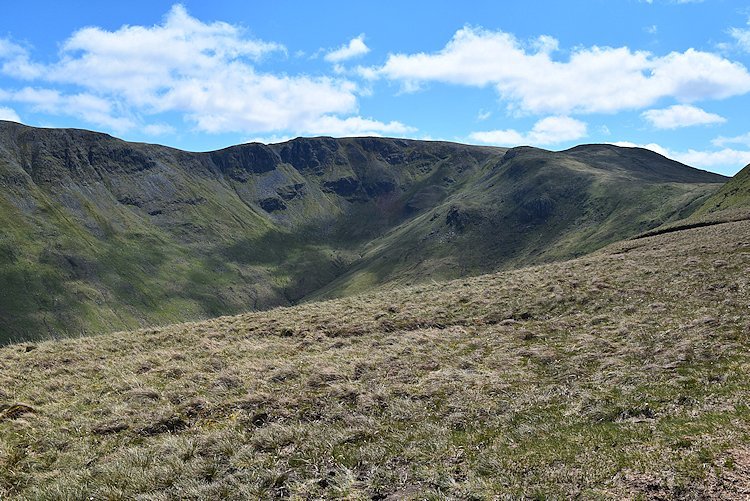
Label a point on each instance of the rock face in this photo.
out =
(241, 162)
(100, 234)
(272, 204)
(291, 191)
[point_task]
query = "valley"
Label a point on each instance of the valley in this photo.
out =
(103, 235)
(592, 342)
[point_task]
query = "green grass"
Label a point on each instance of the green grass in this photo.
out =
(735, 194)
(623, 374)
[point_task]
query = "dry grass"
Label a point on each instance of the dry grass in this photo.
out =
(620, 374)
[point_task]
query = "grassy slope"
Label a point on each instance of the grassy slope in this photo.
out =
(730, 203)
(735, 194)
(624, 373)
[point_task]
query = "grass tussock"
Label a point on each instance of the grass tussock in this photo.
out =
(621, 374)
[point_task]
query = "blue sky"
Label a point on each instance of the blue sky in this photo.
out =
(670, 75)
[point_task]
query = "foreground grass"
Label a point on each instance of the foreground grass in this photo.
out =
(622, 374)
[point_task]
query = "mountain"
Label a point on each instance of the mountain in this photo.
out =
(100, 234)
(623, 374)
(530, 206)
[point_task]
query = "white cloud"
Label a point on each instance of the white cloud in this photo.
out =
(545, 44)
(355, 48)
(741, 37)
(159, 129)
(483, 115)
(731, 160)
(743, 139)
(9, 114)
(681, 115)
(16, 61)
(233, 99)
(368, 73)
(354, 126)
(86, 106)
(650, 146)
(506, 137)
(550, 130)
(593, 79)
(204, 71)
(341, 127)
(727, 161)
(269, 139)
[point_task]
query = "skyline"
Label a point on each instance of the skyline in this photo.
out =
(668, 75)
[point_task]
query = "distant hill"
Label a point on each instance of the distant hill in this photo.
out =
(100, 234)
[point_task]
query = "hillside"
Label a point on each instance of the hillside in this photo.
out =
(100, 234)
(733, 195)
(621, 374)
(730, 203)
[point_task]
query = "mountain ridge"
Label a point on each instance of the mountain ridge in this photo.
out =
(102, 234)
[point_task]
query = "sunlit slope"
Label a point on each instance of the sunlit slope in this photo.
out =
(621, 374)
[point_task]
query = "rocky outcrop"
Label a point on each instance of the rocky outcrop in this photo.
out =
(241, 162)
(272, 204)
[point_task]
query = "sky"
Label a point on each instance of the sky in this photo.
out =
(669, 75)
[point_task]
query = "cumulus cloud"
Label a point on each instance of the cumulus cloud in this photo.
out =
(86, 106)
(355, 48)
(9, 114)
(728, 161)
(16, 61)
(550, 130)
(681, 115)
(592, 79)
(207, 72)
(140, 61)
